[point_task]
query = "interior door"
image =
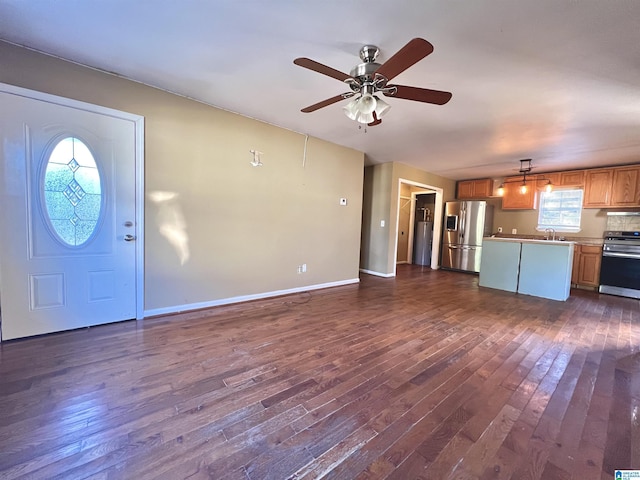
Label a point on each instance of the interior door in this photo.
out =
(68, 228)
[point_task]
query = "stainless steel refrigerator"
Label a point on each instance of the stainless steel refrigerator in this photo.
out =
(465, 223)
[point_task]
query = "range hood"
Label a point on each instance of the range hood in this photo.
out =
(622, 212)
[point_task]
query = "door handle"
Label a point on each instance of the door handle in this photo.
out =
(129, 238)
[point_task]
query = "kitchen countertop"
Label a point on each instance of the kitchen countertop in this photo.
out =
(531, 240)
(568, 238)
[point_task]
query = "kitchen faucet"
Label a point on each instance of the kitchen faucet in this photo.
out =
(548, 231)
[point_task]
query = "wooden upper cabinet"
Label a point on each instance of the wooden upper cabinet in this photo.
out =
(465, 189)
(513, 199)
(625, 187)
(475, 188)
(544, 178)
(572, 178)
(597, 188)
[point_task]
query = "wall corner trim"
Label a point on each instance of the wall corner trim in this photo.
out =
(378, 274)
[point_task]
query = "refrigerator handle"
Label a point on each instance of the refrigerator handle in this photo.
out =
(463, 221)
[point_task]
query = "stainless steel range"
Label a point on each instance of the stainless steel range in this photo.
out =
(620, 270)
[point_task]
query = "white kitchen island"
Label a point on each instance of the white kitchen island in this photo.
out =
(541, 268)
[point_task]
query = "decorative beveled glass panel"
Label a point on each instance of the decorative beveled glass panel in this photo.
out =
(72, 192)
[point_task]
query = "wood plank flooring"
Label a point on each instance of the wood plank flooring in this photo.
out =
(422, 376)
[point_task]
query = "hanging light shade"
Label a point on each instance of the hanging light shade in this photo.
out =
(351, 109)
(367, 103)
(365, 117)
(382, 107)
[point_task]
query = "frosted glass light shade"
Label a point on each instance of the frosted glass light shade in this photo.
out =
(382, 107)
(367, 103)
(351, 109)
(365, 117)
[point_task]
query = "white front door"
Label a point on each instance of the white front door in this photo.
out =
(69, 223)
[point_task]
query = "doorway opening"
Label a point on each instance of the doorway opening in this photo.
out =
(425, 204)
(416, 242)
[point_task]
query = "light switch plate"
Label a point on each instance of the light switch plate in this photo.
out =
(343, 201)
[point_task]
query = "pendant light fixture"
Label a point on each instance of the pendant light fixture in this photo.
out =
(525, 169)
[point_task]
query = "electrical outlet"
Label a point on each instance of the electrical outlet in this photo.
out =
(382, 223)
(514, 231)
(499, 229)
(302, 268)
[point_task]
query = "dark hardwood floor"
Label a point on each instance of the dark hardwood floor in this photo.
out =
(425, 375)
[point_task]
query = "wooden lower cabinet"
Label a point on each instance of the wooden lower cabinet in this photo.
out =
(586, 265)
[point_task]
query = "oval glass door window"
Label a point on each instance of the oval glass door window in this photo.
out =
(72, 192)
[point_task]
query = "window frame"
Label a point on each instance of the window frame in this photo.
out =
(541, 227)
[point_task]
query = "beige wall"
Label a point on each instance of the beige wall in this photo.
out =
(381, 196)
(375, 208)
(592, 223)
(248, 227)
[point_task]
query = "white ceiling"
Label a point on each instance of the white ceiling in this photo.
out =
(557, 81)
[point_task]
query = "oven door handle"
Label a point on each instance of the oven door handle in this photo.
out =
(621, 255)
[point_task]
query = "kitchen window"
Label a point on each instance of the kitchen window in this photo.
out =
(560, 210)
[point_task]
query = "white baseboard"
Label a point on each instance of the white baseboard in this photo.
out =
(378, 274)
(243, 298)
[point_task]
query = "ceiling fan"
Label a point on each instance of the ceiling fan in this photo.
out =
(370, 78)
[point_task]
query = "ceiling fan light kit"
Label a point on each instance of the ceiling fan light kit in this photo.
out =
(366, 108)
(369, 78)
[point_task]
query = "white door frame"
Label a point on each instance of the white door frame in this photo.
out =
(412, 219)
(437, 223)
(138, 122)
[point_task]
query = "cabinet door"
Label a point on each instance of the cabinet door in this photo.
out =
(597, 188)
(544, 178)
(589, 267)
(514, 199)
(482, 188)
(576, 264)
(625, 190)
(474, 188)
(465, 189)
(572, 178)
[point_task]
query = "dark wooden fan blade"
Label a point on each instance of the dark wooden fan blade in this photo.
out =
(324, 103)
(376, 121)
(411, 53)
(425, 95)
(320, 68)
